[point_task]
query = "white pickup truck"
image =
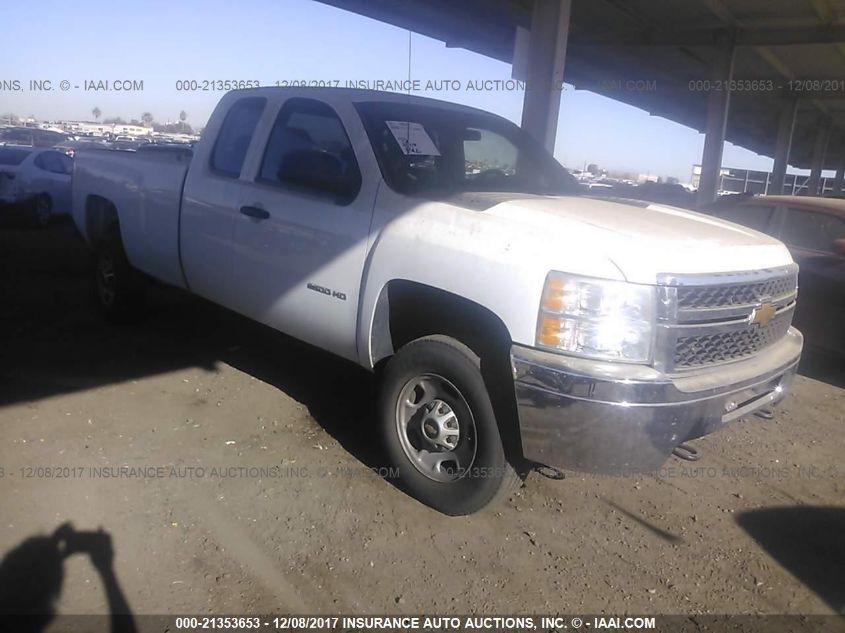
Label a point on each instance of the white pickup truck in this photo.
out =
(511, 321)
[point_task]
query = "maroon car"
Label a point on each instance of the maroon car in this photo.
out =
(814, 231)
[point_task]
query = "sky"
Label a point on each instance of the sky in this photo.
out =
(162, 43)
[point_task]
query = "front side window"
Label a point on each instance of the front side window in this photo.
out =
(235, 135)
(812, 230)
(431, 151)
(309, 150)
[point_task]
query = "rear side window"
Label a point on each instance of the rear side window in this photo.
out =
(811, 230)
(234, 136)
(308, 149)
(755, 217)
(12, 156)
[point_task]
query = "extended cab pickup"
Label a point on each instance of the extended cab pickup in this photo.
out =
(511, 321)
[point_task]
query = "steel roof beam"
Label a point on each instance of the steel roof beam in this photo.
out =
(744, 36)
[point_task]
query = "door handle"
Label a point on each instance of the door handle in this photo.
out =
(255, 212)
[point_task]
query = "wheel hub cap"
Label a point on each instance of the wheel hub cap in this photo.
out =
(435, 428)
(440, 425)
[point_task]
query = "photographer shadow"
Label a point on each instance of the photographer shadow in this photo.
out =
(31, 577)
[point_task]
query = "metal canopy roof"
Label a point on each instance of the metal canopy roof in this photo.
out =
(673, 42)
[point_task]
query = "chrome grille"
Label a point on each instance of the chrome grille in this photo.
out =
(720, 347)
(703, 320)
(696, 297)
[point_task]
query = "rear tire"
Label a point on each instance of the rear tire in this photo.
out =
(42, 211)
(119, 289)
(439, 428)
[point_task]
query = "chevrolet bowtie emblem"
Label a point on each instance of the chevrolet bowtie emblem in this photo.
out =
(763, 314)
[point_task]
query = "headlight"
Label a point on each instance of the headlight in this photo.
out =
(609, 320)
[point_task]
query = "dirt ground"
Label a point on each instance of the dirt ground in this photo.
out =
(270, 501)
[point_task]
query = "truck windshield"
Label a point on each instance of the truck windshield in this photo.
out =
(431, 151)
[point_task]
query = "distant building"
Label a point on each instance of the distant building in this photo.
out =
(641, 178)
(101, 129)
(732, 180)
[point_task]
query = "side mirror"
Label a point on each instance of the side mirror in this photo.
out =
(313, 169)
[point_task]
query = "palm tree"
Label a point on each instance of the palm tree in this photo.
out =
(147, 118)
(183, 116)
(96, 112)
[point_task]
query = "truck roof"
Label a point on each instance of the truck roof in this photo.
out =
(356, 95)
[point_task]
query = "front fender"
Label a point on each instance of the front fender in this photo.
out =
(486, 259)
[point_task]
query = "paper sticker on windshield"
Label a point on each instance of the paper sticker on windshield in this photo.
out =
(412, 138)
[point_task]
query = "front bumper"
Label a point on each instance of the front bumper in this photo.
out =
(614, 418)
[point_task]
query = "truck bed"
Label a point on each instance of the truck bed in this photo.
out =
(147, 188)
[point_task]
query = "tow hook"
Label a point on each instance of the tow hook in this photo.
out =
(686, 452)
(766, 414)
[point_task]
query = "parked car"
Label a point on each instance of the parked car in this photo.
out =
(814, 231)
(34, 137)
(36, 180)
(509, 321)
(72, 147)
(125, 146)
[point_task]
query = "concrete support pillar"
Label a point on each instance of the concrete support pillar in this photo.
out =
(819, 154)
(718, 106)
(786, 127)
(546, 60)
(839, 181)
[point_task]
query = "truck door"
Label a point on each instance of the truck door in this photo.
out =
(301, 232)
(210, 202)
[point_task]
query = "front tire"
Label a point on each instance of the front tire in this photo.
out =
(439, 428)
(119, 289)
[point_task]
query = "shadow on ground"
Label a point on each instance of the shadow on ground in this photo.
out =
(32, 575)
(809, 542)
(55, 342)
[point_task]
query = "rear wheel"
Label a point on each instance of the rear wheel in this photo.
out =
(42, 211)
(439, 427)
(119, 289)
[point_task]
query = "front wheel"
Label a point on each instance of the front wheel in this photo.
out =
(439, 428)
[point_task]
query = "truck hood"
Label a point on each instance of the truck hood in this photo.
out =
(642, 239)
